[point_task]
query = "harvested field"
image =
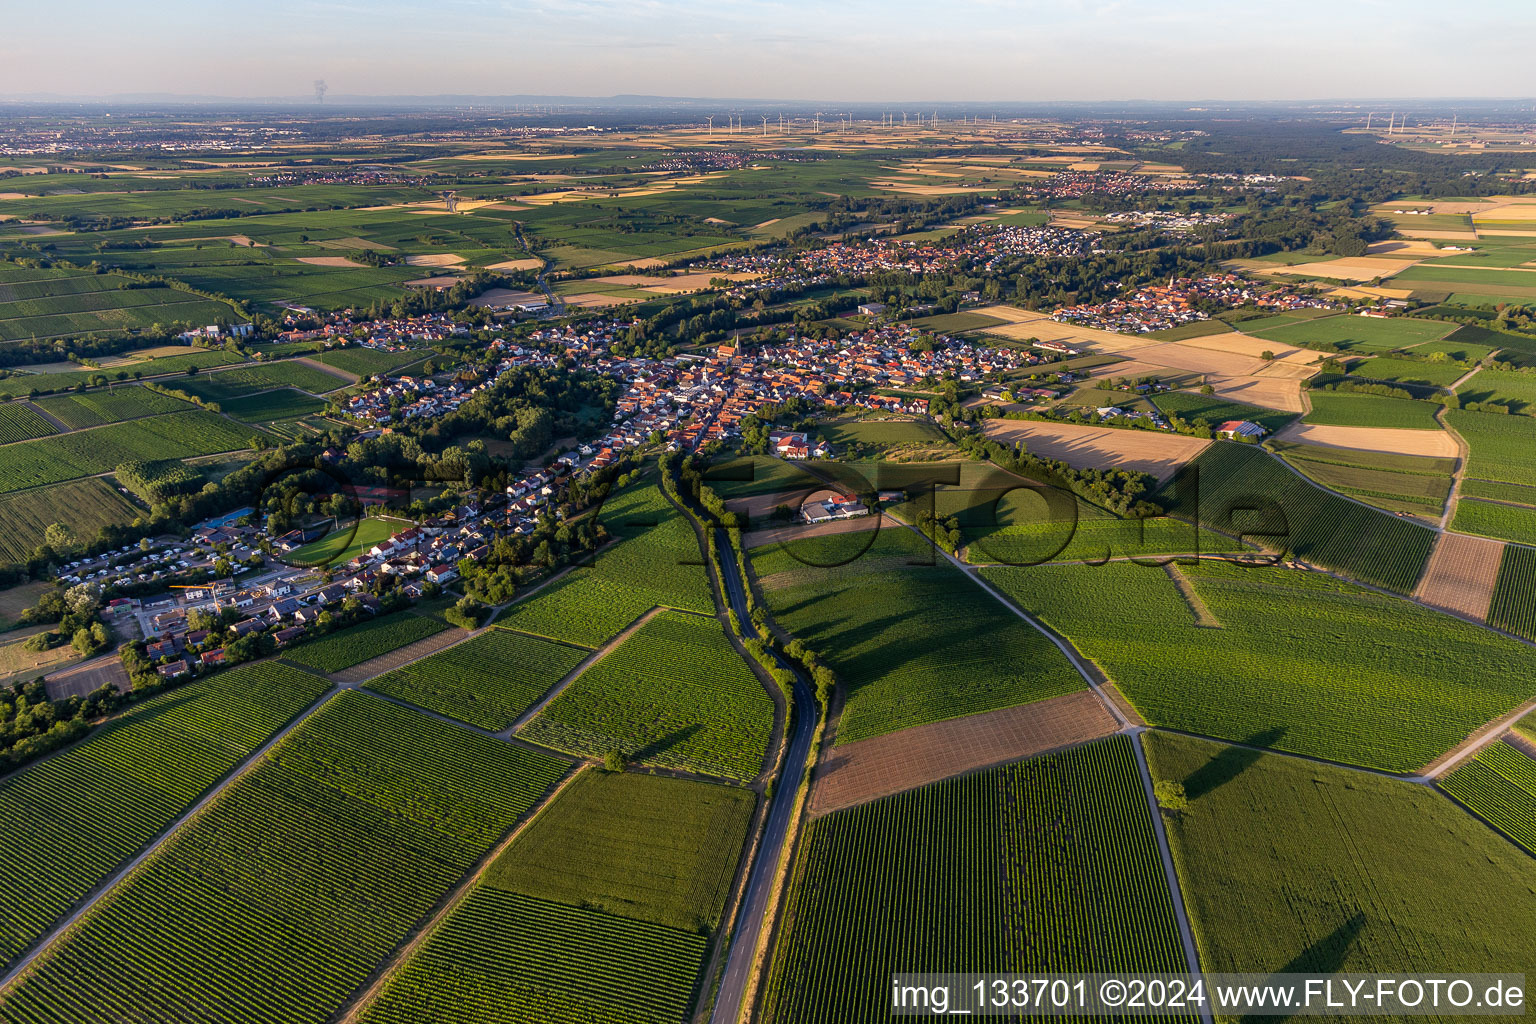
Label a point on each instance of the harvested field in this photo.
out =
(1394, 440)
(1350, 268)
(391, 660)
(1148, 451)
(1404, 247)
(438, 259)
(82, 679)
(329, 261)
(526, 263)
(857, 773)
(592, 300)
(1461, 575)
(505, 297)
(676, 284)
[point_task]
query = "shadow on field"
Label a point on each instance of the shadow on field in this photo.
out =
(1325, 956)
(1229, 764)
(665, 743)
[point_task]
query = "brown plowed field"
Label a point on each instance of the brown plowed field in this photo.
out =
(869, 769)
(1461, 574)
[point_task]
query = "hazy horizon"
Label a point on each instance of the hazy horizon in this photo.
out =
(999, 51)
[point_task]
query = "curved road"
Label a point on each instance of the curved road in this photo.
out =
(754, 908)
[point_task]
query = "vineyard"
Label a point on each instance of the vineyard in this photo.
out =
(1494, 519)
(1046, 865)
(1501, 446)
(1500, 785)
(487, 681)
(1290, 666)
(23, 384)
(1242, 489)
(69, 821)
(86, 453)
(100, 407)
(674, 694)
(356, 644)
(1345, 409)
(655, 562)
(86, 505)
(1290, 865)
(18, 423)
(601, 910)
(1397, 483)
(911, 643)
(365, 362)
(314, 866)
(281, 404)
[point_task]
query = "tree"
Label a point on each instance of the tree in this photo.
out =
(613, 761)
(59, 536)
(1170, 795)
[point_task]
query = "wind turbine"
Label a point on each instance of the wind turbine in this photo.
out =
(781, 123)
(711, 120)
(765, 126)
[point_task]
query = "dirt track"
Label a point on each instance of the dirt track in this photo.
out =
(869, 769)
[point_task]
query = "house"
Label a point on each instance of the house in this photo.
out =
(213, 659)
(1240, 428)
(871, 308)
(174, 669)
(245, 627)
(441, 574)
(284, 637)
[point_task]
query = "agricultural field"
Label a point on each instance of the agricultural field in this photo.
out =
(1495, 519)
(899, 626)
(1408, 371)
(1046, 865)
(1283, 665)
(1499, 783)
(22, 383)
(18, 423)
(487, 681)
(604, 907)
(1514, 595)
(369, 639)
(269, 406)
(1397, 483)
(1290, 865)
(99, 407)
(56, 303)
(873, 439)
(674, 694)
(66, 823)
(86, 453)
(380, 812)
(1350, 333)
(365, 362)
(1308, 522)
(1513, 389)
(1215, 410)
(1502, 448)
(656, 561)
(84, 505)
(1348, 409)
(345, 543)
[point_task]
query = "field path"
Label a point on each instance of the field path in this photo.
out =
(1204, 617)
(1463, 454)
(207, 798)
(571, 676)
(58, 424)
(1484, 737)
(383, 664)
(334, 371)
(466, 885)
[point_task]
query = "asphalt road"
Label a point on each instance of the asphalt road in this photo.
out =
(754, 910)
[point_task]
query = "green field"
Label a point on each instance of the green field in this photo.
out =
(365, 362)
(1294, 866)
(674, 694)
(88, 452)
(18, 423)
(356, 644)
(99, 407)
(1515, 389)
(21, 384)
(316, 864)
(1502, 448)
(282, 404)
(1047, 865)
(1243, 489)
(1514, 594)
(1347, 409)
(1216, 411)
(345, 543)
(1368, 334)
(1408, 371)
(902, 637)
(68, 822)
(1492, 519)
(487, 681)
(655, 562)
(1289, 665)
(601, 911)
(57, 303)
(84, 505)
(1397, 483)
(1499, 783)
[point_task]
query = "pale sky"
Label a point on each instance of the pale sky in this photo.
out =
(855, 50)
